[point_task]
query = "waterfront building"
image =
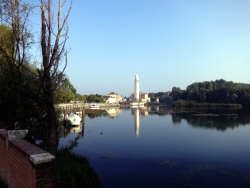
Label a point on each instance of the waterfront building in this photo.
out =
(114, 98)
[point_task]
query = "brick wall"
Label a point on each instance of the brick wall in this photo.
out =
(24, 165)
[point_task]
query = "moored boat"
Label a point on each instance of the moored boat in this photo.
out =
(94, 106)
(74, 119)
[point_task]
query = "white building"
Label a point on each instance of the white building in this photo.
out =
(114, 98)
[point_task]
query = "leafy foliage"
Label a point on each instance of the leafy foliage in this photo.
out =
(36, 83)
(15, 107)
(96, 98)
(66, 92)
(218, 91)
(163, 97)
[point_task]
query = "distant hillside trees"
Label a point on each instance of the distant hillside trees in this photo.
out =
(219, 91)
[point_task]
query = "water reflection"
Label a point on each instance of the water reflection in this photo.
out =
(113, 112)
(143, 147)
(154, 108)
(107, 112)
(137, 112)
(218, 122)
(73, 129)
(208, 118)
(196, 117)
(96, 114)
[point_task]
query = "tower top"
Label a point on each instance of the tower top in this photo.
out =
(136, 77)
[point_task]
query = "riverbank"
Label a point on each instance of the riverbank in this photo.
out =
(73, 170)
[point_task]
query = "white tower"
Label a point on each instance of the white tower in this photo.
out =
(136, 93)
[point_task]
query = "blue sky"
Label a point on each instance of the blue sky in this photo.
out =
(168, 43)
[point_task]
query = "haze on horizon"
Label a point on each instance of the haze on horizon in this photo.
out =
(167, 43)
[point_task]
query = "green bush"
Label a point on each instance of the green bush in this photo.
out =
(73, 171)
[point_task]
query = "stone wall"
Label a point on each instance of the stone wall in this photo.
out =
(24, 165)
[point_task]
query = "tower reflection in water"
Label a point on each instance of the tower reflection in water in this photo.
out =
(137, 113)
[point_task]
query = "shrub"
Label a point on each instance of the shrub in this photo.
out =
(73, 171)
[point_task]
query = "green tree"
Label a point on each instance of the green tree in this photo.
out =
(95, 98)
(234, 97)
(165, 99)
(47, 77)
(176, 93)
(66, 92)
(203, 94)
(83, 98)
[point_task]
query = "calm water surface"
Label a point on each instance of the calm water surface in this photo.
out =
(158, 148)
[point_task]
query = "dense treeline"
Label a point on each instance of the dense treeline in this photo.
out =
(212, 92)
(96, 98)
(68, 96)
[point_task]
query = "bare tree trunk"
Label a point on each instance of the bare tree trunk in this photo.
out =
(52, 53)
(52, 129)
(53, 49)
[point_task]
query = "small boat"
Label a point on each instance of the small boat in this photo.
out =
(74, 119)
(94, 106)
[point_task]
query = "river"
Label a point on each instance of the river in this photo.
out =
(159, 147)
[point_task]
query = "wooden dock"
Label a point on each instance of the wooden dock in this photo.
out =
(74, 109)
(80, 109)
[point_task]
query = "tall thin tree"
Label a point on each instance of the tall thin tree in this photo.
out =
(47, 78)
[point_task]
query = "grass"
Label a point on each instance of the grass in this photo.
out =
(73, 171)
